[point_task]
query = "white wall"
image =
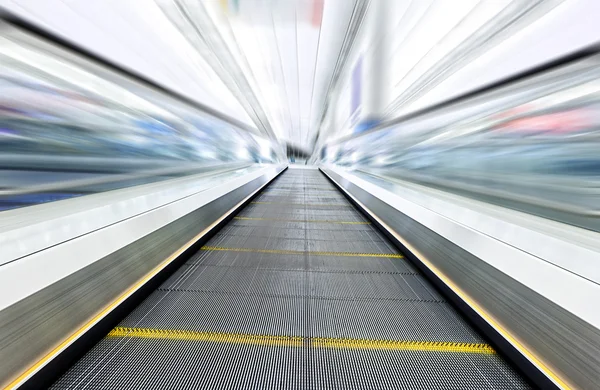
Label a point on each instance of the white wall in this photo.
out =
(421, 33)
(136, 35)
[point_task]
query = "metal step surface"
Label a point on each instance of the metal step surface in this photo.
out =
(298, 291)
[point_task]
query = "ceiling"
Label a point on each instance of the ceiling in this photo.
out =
(288, 49)
(277, 57)
(266, 63)
(138, 38)
(277, 64)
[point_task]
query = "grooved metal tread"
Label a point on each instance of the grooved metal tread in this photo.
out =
(276, 300)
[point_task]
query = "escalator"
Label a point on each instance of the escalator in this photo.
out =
(298, 291)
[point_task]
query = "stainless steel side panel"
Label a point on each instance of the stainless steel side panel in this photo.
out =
(569, 346)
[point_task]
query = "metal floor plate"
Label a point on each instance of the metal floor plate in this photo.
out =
(298, 291)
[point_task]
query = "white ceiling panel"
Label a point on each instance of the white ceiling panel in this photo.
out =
(136, 37)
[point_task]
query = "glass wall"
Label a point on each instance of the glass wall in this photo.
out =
(531, 145)
(71, 126)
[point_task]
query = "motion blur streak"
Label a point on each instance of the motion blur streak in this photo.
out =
(70, 127)
(530, 145)
(253, 194)
(305, 85)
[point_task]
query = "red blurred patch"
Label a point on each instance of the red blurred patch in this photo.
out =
(559, 122)
(317, 12)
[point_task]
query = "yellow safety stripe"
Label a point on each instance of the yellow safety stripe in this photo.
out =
(303, 220)
(300, 341)
(403, 345)
(298, 189)
(310, 253)
(215, 337)
(306, 204)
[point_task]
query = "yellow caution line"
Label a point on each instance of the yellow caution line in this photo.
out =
(396, 345)
(229, 338)
(302, 189)
(306, 204)
(310, 253)
(303, 220)
(300, 341)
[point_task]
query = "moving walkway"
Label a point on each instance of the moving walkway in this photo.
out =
(299, 290)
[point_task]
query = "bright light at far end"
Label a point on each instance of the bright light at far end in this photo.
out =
(243, 154)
